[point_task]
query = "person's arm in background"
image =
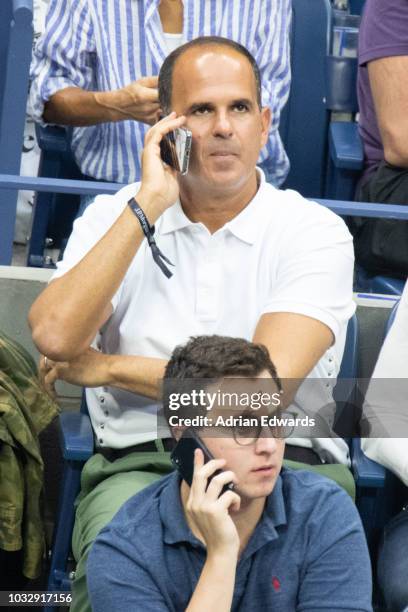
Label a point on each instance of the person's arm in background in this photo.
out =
(385, 405)
(272, 53)
(64, 88)
(77, 107)
(388, 78)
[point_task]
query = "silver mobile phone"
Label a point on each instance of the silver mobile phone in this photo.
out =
(175, 149)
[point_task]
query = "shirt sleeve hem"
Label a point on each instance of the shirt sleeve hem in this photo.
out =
(380, 52)
(304, 309)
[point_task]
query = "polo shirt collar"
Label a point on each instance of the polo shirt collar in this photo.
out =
(274, 515)
(176, 529)
(173, 219)
(244, 226)
(247, 225)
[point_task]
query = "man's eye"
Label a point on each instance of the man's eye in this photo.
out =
(203, 110)
(241, 108)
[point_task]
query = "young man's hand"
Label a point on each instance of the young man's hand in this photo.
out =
(159, 187)
(209, 511)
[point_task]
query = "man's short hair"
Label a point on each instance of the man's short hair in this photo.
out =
(166, 71)
(214, 357)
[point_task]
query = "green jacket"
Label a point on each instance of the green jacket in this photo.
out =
(25, 410)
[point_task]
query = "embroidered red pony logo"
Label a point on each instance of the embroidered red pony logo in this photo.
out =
(276, 583)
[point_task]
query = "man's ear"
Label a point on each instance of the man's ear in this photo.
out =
(266, 118)
(159, 115)
(177, 431)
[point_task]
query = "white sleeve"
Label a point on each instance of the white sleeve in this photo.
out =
(314, 276)
(272, 53)
(64, 56)
(87, 230)
(386, 402)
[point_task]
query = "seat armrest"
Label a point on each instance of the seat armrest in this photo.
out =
(346, 149)
(367, 473)
(76, 436)
(53, 138)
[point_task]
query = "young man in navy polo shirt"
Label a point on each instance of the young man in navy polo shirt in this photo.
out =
(282, 540)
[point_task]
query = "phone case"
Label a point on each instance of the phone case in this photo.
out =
(182, 457)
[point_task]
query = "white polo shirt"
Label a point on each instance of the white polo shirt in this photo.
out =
(282, 253)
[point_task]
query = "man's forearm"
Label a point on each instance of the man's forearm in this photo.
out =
(142, 375)
(215, 588)
(77, 107)
(68, 313)
(295, 343)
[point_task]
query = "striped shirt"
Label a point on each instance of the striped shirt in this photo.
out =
(103, 45)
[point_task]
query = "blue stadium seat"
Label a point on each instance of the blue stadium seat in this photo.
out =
(77, 445)
(53, 213)
(304, 120)
(16, 38)
(378, 284)
(356, 6)
(345, 155)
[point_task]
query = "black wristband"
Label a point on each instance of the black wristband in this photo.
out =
(148, 231)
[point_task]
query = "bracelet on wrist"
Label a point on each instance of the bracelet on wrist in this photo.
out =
(148, 231)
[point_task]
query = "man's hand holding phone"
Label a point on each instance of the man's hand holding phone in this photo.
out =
(159, 187)
(209, 511)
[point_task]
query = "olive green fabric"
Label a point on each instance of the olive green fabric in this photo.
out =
(335, 471)
(106, 485)
(25, 410)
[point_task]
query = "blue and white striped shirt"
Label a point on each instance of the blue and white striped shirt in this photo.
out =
(102, 45)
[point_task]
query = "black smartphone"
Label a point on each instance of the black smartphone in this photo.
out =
(175, 149)
(182, 457)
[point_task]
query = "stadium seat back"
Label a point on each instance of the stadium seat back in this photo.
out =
(16, 37)
(304, 122)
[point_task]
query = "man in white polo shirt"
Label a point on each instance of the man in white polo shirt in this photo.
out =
(249, 261)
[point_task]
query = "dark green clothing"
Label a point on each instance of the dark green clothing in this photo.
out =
(25, 410)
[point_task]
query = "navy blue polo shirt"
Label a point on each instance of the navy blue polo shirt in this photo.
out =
(308, 552)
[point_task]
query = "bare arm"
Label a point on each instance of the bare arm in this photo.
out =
(68, 313)
(388, 79)
(78, 107)
(140, 375)
(295, 344)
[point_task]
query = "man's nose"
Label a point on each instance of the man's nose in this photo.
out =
(222, 125)
(266, 443)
